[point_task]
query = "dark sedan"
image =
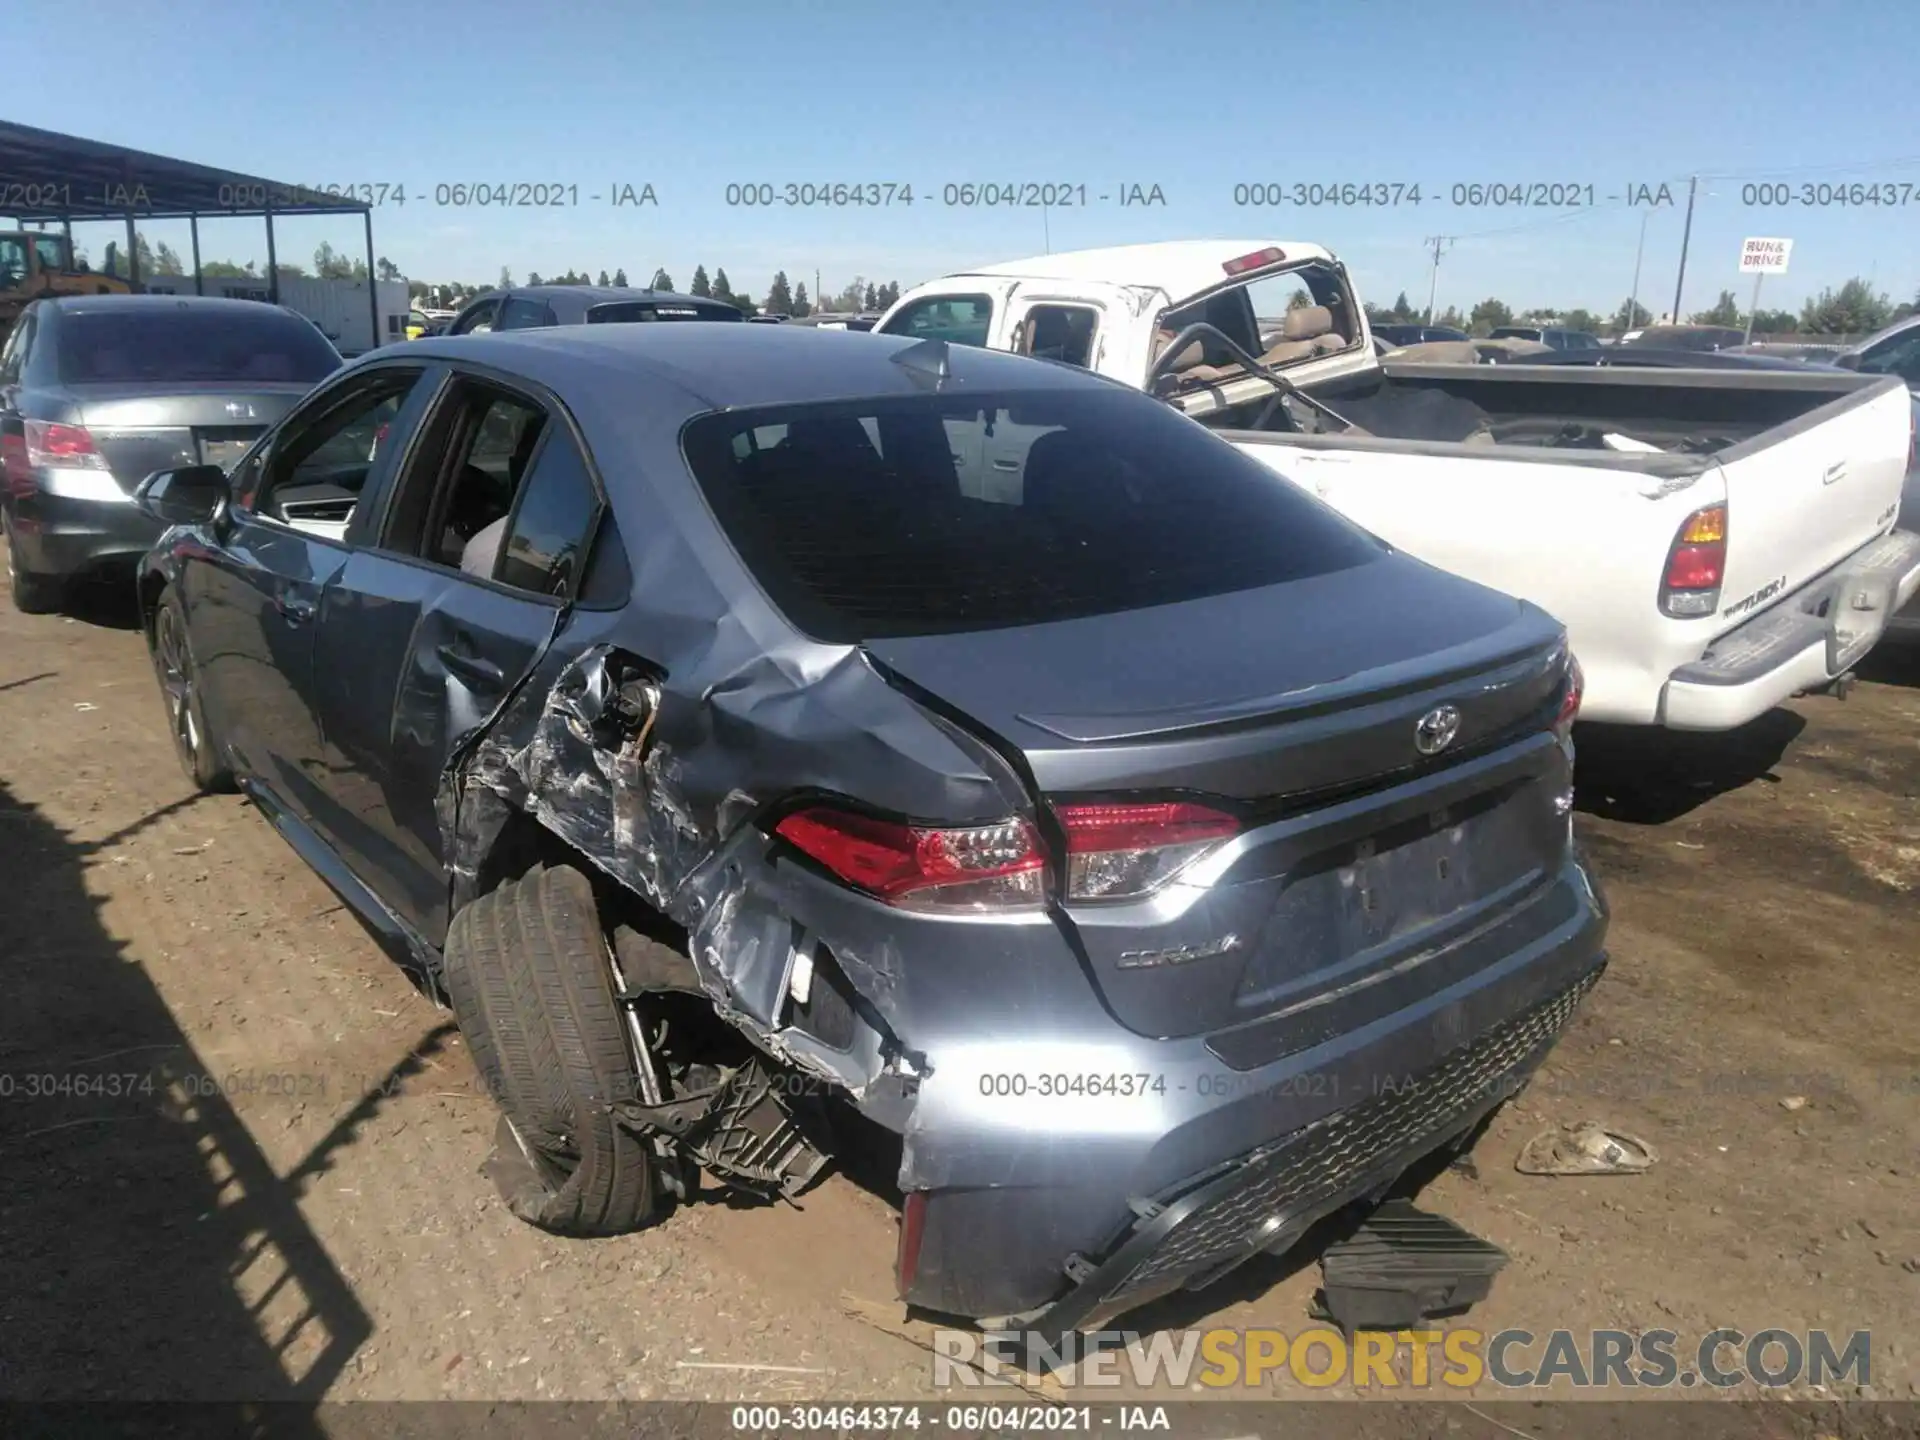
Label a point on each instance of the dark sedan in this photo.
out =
(1395, 334)
(850, 720)
(533, 307)
(96, 391)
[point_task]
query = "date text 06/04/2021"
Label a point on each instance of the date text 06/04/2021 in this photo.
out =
(1143, 1084)
(888, 1419)
(444, 194)
(953, 194)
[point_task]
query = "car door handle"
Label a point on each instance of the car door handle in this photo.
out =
(294, 609)
(473, 668)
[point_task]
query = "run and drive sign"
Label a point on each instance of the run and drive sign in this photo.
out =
(1765, 257)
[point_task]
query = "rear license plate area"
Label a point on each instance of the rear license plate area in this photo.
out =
(1381, 895)
(224, 447)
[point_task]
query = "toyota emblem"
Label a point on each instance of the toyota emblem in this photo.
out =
(1436, 729)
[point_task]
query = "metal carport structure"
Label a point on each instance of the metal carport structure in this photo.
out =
(47, 177)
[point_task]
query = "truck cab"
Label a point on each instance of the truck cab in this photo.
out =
(1114, 311)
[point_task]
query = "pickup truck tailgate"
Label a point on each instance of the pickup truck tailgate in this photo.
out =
(1802, 498)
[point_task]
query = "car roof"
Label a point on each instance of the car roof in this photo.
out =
(1180, 268)
(1874, 339)
(735, 366)
(596, 294)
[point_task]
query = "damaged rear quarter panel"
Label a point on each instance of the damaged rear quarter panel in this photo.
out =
(648, 738)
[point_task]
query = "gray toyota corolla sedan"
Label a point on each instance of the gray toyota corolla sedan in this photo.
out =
(747, 729)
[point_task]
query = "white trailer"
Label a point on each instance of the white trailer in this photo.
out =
(339, 307)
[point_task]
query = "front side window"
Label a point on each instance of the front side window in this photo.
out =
(317, 468)
(956, 319)
(917, 515)
(1896, 355)
(452, 503)
(478, 320)
(51, 251)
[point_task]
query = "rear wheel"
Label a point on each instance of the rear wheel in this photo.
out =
(32, 594)
(528, 971)
(195, 747)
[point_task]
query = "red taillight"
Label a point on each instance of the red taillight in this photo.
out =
(1570, 699)
(69, 447)
(1123, 850)
(1696, 565)
(1241, 264)
(970, 867)
(913, 1225)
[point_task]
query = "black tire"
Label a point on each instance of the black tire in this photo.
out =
(528, 972)
(33, 594)
(194, 745)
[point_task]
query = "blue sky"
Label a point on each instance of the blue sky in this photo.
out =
(1192, 98)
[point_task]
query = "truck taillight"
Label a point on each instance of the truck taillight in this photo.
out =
(1120, 851)
(1696, 565)
(1241, 264)
(51, 445)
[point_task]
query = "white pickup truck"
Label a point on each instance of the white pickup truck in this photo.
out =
(1715, 541)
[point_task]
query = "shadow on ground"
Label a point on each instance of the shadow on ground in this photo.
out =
(1643, 776)
(149, 1250)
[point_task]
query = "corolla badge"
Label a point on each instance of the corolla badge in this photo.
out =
(239, 410)
(1435, 730)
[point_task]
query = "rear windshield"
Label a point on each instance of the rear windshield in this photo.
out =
(189, 343)
(931, 513)
(629, 311)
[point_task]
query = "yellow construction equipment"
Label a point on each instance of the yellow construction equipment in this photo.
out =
(34, 263)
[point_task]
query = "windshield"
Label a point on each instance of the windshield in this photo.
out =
(216, 343)
(908, 516)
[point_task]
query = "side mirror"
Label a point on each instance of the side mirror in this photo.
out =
(1847, 362)
(190, 495)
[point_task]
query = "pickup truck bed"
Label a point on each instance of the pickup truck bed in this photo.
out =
(1586, 530)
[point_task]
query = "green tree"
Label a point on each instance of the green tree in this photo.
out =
(721, 289)
(871, 300)
(166, 262)
(330, 264)
(702, 286)
(1724, 311)
(661, 281)
(1856, 308)
(1488, 316)
(801, 305)
(1582, 319)
(848, 299)
(889, 294)
(1639, 319)
(1299, 300)
(1452, 318)
(779, 296)
(1775, 322)
(743, 303)
(227, 269)
(388, 270)
(620, 278)
(533, 278)
(603, 281)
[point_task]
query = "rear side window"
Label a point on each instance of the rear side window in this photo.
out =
(931, 513)
(956, 319)
(240, 343)
(547, 539)
(524, 315)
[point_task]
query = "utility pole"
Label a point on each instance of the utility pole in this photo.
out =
(1693, 183)
(1433, 284)
(1633, 299)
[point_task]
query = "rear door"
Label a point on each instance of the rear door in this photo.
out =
(429, 625)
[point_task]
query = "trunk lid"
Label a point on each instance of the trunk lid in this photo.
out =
(142, 428)
(1809, 494)
(1296, 708)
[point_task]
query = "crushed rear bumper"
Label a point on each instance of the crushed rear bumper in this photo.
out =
(1263, 1201)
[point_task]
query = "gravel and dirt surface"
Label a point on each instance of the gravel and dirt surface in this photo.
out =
(239, 1152)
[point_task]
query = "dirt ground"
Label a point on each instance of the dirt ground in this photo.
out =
(239, 1154)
